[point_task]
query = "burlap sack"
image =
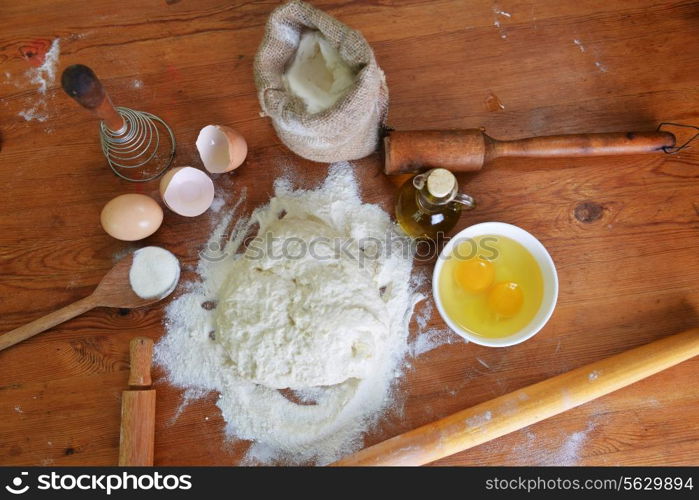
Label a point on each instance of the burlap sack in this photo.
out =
(350, 128)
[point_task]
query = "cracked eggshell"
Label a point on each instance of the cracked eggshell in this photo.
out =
(187, 191)
(221, 148)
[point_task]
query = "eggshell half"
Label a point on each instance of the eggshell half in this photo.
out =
(131, 217)
(187, 191)
(221, 148)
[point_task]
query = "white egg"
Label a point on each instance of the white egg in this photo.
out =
(187, 191)
(221, 148)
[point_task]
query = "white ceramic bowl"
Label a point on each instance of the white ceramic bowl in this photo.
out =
(548, 273)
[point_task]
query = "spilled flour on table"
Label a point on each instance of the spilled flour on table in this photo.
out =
(304, 343)
(500, 15)
(568, 453)
(218, 203)
(42, 77)
(427, 339)
(432, 338)
(188, 397)
(551, 447)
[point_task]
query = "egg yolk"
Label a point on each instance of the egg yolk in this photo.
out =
(505, 299)
(474, 275)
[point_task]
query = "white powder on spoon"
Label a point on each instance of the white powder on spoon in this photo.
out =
(303, 349)
(154, 272)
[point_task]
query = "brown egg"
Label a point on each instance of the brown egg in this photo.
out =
(131, 217)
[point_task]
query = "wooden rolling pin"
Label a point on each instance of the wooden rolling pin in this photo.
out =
(518, 409)
(137, 439)
(469, 150)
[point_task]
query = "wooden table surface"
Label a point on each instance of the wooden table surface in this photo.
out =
(624, 232)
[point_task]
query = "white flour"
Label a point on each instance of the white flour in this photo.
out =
(315, 320)
(331, 332)
(43, 77)
(154, 272)
(430, 339)
(318, 75)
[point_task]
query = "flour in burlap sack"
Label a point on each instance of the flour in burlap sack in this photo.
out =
(348, 130)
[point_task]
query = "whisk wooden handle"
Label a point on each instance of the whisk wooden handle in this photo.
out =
(81, 83)
(470, 150)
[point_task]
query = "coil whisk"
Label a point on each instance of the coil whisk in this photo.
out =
(138, 146)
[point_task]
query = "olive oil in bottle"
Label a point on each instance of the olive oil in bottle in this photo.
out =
(428, 204)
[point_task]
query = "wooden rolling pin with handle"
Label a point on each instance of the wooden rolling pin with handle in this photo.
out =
(137, 439)
(518, 409)
(469, 150)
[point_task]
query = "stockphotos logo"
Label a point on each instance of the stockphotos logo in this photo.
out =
(106, 483)
(16, 487)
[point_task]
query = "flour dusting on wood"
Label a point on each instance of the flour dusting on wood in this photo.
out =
(500, 15)
(42, 77)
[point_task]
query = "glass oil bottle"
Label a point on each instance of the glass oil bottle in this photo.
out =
(428, 205)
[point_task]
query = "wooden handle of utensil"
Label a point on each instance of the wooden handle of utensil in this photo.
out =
(137, 439)
(469, 150)
(81, 83)
(568, 146)
(141, 353)
(45, 322)
(518, 409)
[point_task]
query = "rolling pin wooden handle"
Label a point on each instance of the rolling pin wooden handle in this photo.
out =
(614, 143)
(468, 150)
(516, 410)
(137, 437)
(81, 83)
(45, 322)
(141, 354)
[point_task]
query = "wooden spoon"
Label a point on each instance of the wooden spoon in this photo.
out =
(113, 291)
